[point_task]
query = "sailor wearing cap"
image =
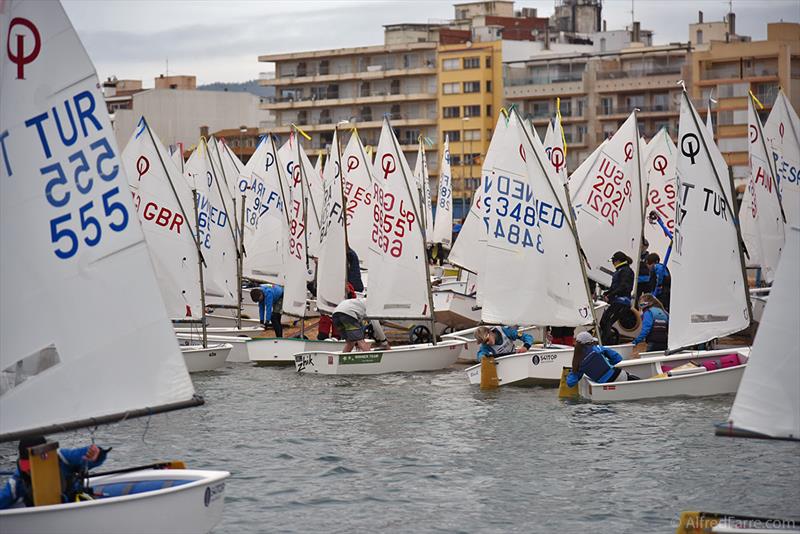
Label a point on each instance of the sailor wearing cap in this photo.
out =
(596, 362)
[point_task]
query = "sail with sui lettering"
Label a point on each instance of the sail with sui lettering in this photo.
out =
(782, 132)
(332, 267)
(165, 206)
(443, 223)
(608, 201)
(661, 191)
(69, 238)
(359, 193)
(398, 281)
(760, 214)
(709, 293)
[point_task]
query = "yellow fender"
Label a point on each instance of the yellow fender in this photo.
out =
(564, 391)
(45, 474)
(489, 373)
(696, 523)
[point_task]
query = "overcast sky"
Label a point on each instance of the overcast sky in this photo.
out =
(221, 40)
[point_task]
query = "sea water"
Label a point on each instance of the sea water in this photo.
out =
(427, 452)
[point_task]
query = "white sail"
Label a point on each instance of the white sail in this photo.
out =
(768, 399)
(398, 284)
(176, 154)
(608, 202)
(443, 224)
(358, 190)
(709, 296)
(332, 268)
(303, 184)
(216, 231)
(533, 273)
(424, 185)
(782, 131)
(165, 206)
(318, 164)
(466, 253)
(69, 238)
(660, 169)
(265, 217)
(555, 150)
(581, 175)
(709, 122)
(760, 214)
(227, 167)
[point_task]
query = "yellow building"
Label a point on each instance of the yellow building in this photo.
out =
(727, 71)
(470, 95)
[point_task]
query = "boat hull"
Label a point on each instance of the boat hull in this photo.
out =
(280, 351)
(199, 359)
(194, 504)
(410, 358)
(238, 353)
(455, 309)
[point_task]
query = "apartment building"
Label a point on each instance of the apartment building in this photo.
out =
(727, 67)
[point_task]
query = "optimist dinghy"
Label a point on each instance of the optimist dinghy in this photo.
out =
(131, 363)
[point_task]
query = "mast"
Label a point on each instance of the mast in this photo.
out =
(240, 266)
(344, 200)
(200, 267)
(304, 205)
(642, 205)
(421, 232)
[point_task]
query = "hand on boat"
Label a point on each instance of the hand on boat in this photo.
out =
(521, 350)
(93, 453)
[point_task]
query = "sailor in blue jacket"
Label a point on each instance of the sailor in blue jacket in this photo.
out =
(618, 295)
(655, 323)
(499, 341)
(71, 461)
(596, 362)
(660, 279)
(270, 304)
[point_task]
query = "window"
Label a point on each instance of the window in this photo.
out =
(472, 159)
(472, 135)
(488, 110)
(450, 88)
(472, 62)
(540, 110)
(699, 38)
(451, 112)
(411, 137)
(606, 105)
(602, 44)
(366, 114)
(472, 111)
(566, 108)
(661, 102)
(488, 86)
(453, 135)
(472, 87)
(394, 87)
(488, 62)
(451, 64)
(580, 134)
(455, 159)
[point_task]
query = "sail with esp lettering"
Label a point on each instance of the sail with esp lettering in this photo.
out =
(782, 132)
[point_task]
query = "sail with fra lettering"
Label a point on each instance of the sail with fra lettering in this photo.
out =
(165, 206)
(661, 191)
(533, 273)
(359, 193)
(709, 295)
(608, 202)
(69, 237)
(265, 215)
(782, 132)
(332, 267)
(761, 214)
(443, 222)
(398, 283)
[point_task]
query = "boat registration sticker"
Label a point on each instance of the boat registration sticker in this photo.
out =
(348, 359)
(609, 388)
(213, 493)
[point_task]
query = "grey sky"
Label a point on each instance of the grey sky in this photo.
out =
(221, 40)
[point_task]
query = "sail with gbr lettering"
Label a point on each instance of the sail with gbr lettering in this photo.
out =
(761, 214)
(709, 294)
(443, 224)
(660, 166)
(69, 238)
(358, 190)
(398, 283)
(608, 203)
(782, 132)
(165, 206)
(332, 267)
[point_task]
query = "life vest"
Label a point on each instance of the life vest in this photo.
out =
(596, 366)
(658, 333)
(503, 344)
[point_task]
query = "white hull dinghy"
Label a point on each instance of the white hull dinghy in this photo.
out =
(281, 350)
(225, 321)
(537, 367)
(250, 331)
(184, 500)
(402, 359)
(238, 353)
(455, 309)
(470, 350)
(689, 374)
(199, 358)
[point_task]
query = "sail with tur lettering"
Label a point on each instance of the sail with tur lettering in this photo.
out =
(69, 238)
(709, 294)
(443, 223)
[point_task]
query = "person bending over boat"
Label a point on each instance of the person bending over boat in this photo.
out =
(643, 280)
(499, 341)
(349, 318)
(655, 323)
(596, 362)
(270, 306)
(73, 463)
(354, 271)
(618, 295)
(660, 279)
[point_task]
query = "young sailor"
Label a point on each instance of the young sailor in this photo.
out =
(596, 362)
(72, 463)
(643, 280)
(618, 295)
(655, 323)
(349, 318)
(499, 341)
(270, 304)
(660, 279)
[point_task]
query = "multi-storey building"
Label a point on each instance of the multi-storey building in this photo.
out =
(728, 69)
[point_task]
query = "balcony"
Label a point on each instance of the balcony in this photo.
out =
(737, 73)
(364, 72)
(639, 73)
(375, 98)
(668, 109)
(545, 79)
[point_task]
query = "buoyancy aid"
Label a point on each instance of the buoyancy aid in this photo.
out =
(658, 333)
(596, 366)
(503, 344)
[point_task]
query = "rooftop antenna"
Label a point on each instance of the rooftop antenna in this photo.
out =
(167, 66)
(633, 15)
